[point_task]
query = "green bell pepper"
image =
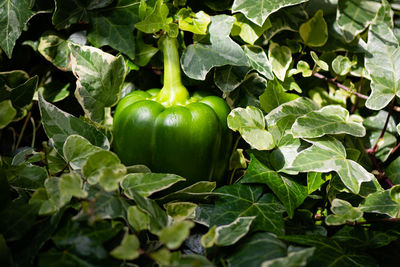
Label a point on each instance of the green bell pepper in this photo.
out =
(172, 132)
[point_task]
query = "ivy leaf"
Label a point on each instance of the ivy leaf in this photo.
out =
(174, 235)
(99, 79)
(328, 154)
(7, 113)
(258, 60)
(275, 96)
(229, 77)
(329, 251)
(393, 171)
(180, 211)
(128, 249)
(71, 184)
(256, 249)
(55, 49)
(226, 235)
(13, 17)
(198, 59)
(355, 16)
(68, 12)
(377, 122)
(320, 63)
(247, 30)
(296, 257)
(382, 63)
(138, 219)
(314, 32)
(280, 58)
(114, 26)
(287, 113)
(258, 10)
(104, 167)
(382, 203)
(77, 149)
(58, 125)
(343, 212)
(241, 200)
(330, 119)
(156, 20)
(193, 22)
(315, 180)
(148, 183)
(342, 65)
(289, 191)
(194, 192)
(250, 123)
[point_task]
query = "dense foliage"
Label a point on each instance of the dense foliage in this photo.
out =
(314, 177)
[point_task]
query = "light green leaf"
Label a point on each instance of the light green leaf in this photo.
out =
(208, 239)
(395, 193)
(226, 235)
(303, 68)
(58, 125)
(138, 219)
(382, 203)
(343, 212)
(128, 249)
(198, 59)
(155, 21)
(382, 62)
(342, 65)
(328, 154)
(180, 211)
(314, 32)
(148, 183)
(296, 257)
(258, 10)
(315, 180)
(320, 63)
(71, 184)
(286, 149)
(330, 119)
(250, 123)
(355, 16)
(56, 198)
(247, 30)
(55, 49)
(289, 191)
(77, 149)
(229, 77)
(99, 79)
(239, 200)
(280, 58)
(275, 96)
(258, 60)
(174, 235)
(13, 17)
(114, 26)
(7, 113)
(193, 22)
(377, 122)
(104, 167)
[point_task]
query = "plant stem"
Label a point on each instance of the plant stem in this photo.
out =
(375, 148)
(23, 129)
(341, 86)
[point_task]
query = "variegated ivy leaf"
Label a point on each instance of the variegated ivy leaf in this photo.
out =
(58, 125)
(314, 32)
(7, 113)
(193, 22)
(274, 96)
(77, 149)
(258, 10)
(198, 59)
(382, 62)
(99, 79)
(381, 203)
(174, 235)
(250, 123)
(13, 17)
(247, 30)
(343, 212)
(328, 154)
(332, 119)
(342, 65)
(320, 63)
(280, 58)
(258, 60)
(156, 20)
(354, 16)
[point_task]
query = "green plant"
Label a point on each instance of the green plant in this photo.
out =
(312, 87)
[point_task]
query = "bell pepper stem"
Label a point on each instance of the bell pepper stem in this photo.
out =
(173, 91)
